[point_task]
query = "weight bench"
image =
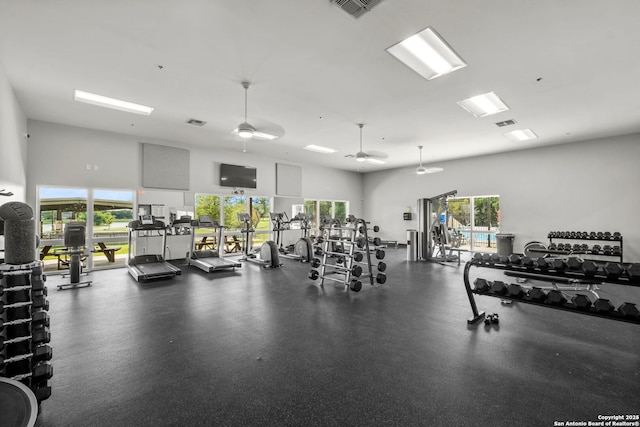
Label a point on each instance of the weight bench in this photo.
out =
(108, 251)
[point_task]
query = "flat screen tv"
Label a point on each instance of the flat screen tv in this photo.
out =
(237, 176)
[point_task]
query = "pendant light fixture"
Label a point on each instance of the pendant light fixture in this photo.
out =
(245, 130)
(421, 170)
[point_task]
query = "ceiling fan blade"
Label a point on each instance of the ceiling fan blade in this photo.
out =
(377, 154)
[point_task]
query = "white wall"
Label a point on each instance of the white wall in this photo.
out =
(58, 155)
(13, 143)
(585, 186)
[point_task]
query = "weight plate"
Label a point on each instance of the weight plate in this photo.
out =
(532, 249)
(18, 404)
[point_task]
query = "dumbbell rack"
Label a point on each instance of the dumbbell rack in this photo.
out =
(627, 312)
(24, 327)
(354, 244)
(593, 238)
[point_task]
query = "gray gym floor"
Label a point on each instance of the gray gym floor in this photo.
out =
(271, 347)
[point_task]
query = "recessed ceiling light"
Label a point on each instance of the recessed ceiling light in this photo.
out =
(484, 105)
(427, 54)
(319, 149)
(116, 104)
(521, 135)
(259, 135)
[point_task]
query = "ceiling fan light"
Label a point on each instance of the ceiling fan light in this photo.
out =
(361, 157)
(245, 130)
(421, 170)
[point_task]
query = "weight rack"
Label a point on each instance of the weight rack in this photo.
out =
(25, 352)
(626, 312)
(350, 248)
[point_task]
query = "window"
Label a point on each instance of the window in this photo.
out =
(225, 210)
(319, 209)
(311, 209)
(476, 220)
(106, 234)
(112, 212)
(260, 219)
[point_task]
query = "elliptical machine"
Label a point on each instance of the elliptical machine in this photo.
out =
(302, 250)
(75, 245)
(268, 250)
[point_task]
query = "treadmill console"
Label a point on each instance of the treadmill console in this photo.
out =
(146, 219)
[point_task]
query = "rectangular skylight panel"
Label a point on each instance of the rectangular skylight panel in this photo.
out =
(116, 104)
(319, 149)
(484, 105)
(427, 54)
(521, 135)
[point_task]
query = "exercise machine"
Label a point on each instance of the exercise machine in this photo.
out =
(434, 239)
(74, 251)
(209, 259)
(302, 249)
(149, 266)
(269, 257)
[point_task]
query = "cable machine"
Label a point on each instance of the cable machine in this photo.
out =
(433, 236)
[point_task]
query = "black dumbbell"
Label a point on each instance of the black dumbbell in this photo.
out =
(526, 262)
(42, 352)
(379, 254)
(42, 371)
(602, 305)
(481, 285)
(581, 301)
(41, 335)
(42, 390)
(537, 294)
(40, 317)
(381, 278)
(358, 256)
(356, 285)
(589, 268)
(514, 290)
(613, 270)
(633, 272)
(498, 287)
(558, 264)
(555, 297)
(491, 318)
(541, 263)
(628, 309)
(314, 274)
(382, 266)
(574, 263)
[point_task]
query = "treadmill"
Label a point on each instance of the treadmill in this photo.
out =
(209, 259)
(149, 266)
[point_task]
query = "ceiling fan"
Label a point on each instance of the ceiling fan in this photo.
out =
(421, 170)
(371, 156)
(246, 131)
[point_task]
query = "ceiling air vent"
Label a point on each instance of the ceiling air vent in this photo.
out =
(196, 122)
(506, 123)
(356, 8)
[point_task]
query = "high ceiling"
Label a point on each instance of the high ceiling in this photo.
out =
(568, 70)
